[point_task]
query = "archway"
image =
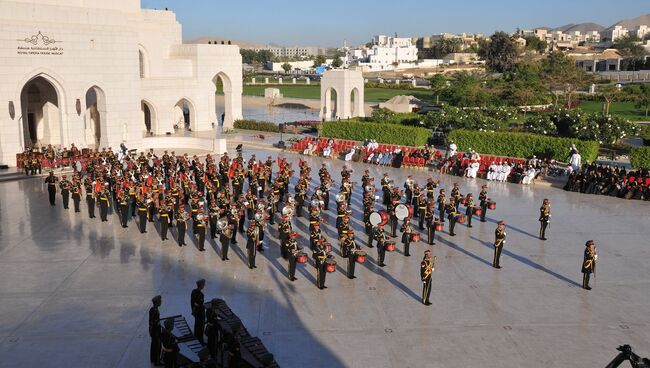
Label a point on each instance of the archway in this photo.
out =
(331, 104)
(149, 117)
(41, 115)
(223, 100)
(95, 116)
(184, 116)
(354, 102)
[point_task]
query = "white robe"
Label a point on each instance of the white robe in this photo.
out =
(348, 157)
(472, 169)
(575, 161)
(528, 178)
(504, 171)
(492, 172)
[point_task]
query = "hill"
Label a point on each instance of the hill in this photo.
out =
(582, 28)
(633, 23)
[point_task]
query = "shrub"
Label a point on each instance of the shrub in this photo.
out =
(593, 126)
(382, 133)
(264, 126)
(540, 124)
(522, 144)
(640, 158)
(644, 133)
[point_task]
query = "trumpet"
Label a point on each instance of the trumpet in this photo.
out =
(287, 211)
(340, 197)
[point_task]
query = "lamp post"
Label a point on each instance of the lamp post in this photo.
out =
(281, 142)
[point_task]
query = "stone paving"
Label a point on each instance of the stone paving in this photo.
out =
(75, 292)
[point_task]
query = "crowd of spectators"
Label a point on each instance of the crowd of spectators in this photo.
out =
(614, 181)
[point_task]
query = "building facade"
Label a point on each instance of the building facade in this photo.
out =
(100, 73)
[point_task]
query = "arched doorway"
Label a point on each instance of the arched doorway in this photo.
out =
(223, 99)
(354, 102)
(331, 104)
(149, 117)
(95, 116)
(184, 116)
(41, 115)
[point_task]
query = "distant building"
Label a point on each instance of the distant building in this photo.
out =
(608, 60)
(386, 53)
(295, 52)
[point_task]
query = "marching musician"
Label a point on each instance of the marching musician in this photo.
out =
(76, 193)
(291, 250)
(483, 199)
(415, 200)
(455, 194)
(251, 244)
(589, 263)
(123, 207)
(233, 222)
(90, 197)
(544, 218)
(250, 203)
(431, 187)
(350, 249)
(65, 185)
(320, 256)
(104, 203)
(51, 187)
(380, 237)
(408, 189)
(226, 233)
(181, 225)
(431, 222)
(213, 217)
(451, 211)
(341, 211)
(198, 310)
(442, 199)
(499, 241)
(199, 229)
(386, 187)
(324, 188)
(142, 214)
(469, 209)
(426, 271)
(285, 231)
(165, 220)
(407, 233)
(315, 235)
(422, 209)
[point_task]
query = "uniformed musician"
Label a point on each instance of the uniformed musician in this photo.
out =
(426, 271)
(499, 241)
(544, 218)
(589, 263)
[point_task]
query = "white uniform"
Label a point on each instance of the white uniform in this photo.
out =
(472, 169)
(530, 175)
(575, 161)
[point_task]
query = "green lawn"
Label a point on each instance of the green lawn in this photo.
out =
(313, 92)
(625, 110)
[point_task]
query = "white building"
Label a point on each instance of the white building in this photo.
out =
(387, 53)
(614, 33)
(294, 52)
(99, 73)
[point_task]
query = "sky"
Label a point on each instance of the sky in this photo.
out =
(328, 23)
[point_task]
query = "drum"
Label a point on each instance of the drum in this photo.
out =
(330, 265)
(492, 205)
(360, 256)
(438, 226)
(301, 257)
(460, 218)
(463, 201)
(390, 246)
(384, 217)
(403, 211)
(415, 237)
(375, 219)
(477, 211)
(328, 248)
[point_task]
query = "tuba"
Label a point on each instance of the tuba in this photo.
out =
(287, 211)
(222, 224)
(340, 198)
(259, 216)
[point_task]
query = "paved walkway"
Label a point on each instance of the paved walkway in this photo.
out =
(75, 292)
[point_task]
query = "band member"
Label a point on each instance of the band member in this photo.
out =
(386, 184)
(51, 187)
(199, 229)
(380, 237)
(90, 198)
(142, 215)
(442, 199)
(65, 185)
(500, 240)
(165, 220)
(169, 345)
(251, 244)
(431, 223)
(350, 252)
(213, 212)
(123, 202)
(408, 189)
(154, 331)
(394, 201)
(469, 211)
(292, 249)
(224, 239)
(421, 209)
(181, 226)
(76, 194)
(325, 185)
(314, 236)
(407, 233)
(431, 187)
(589, 263)
(198, 310)
(104, 203)
(544, 218)
(426, 271)
(450, 209)
(455, 194)
(320, 256)
(483, 198)
(285, 231)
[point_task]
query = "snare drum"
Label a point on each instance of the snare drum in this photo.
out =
(415, 237)
(360, 256)
(384, 217)
(390, 245)
(463, 201)
(301, 257)
(460, 218)
(492, 205)
(477, 211)
(438, 226)
(330, 265)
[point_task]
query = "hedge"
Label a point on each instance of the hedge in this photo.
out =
(263, 126)
(522, 145)
(640, 158)
(382, 133)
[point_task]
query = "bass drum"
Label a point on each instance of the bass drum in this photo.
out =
(375, 219)
(403, 211)
(384, 217)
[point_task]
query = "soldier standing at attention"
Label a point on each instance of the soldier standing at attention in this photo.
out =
(142, 215)
(51, 187)
(407, 232)
(291, 249)
(426, 271)
(482, 197)
(76, 194)
(350, 250)
(181, 225)
(104, 203)
(224, 238)
(169, 345)
(589, 263)
(469, 211)
(154, 331)
(251, 244)
(380, 236)
(431, 223)
(90, 199)
(544, 218)
(65, 185)
(198, 311)
(320, 255)
(499, 241)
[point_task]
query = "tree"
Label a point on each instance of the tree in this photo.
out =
(630, 48)
(643, 98)
(337, 62)
(445, 46)
(438, 83)
(535, 44)
(467, 89)
(286, 67)
(609, 93)
(319, 60)
(561, 76)
(500, 52)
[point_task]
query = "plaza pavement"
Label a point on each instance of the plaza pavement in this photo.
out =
(75, 292)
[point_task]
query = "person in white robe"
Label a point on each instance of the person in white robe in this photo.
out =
(529, 176)
(472, 169)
